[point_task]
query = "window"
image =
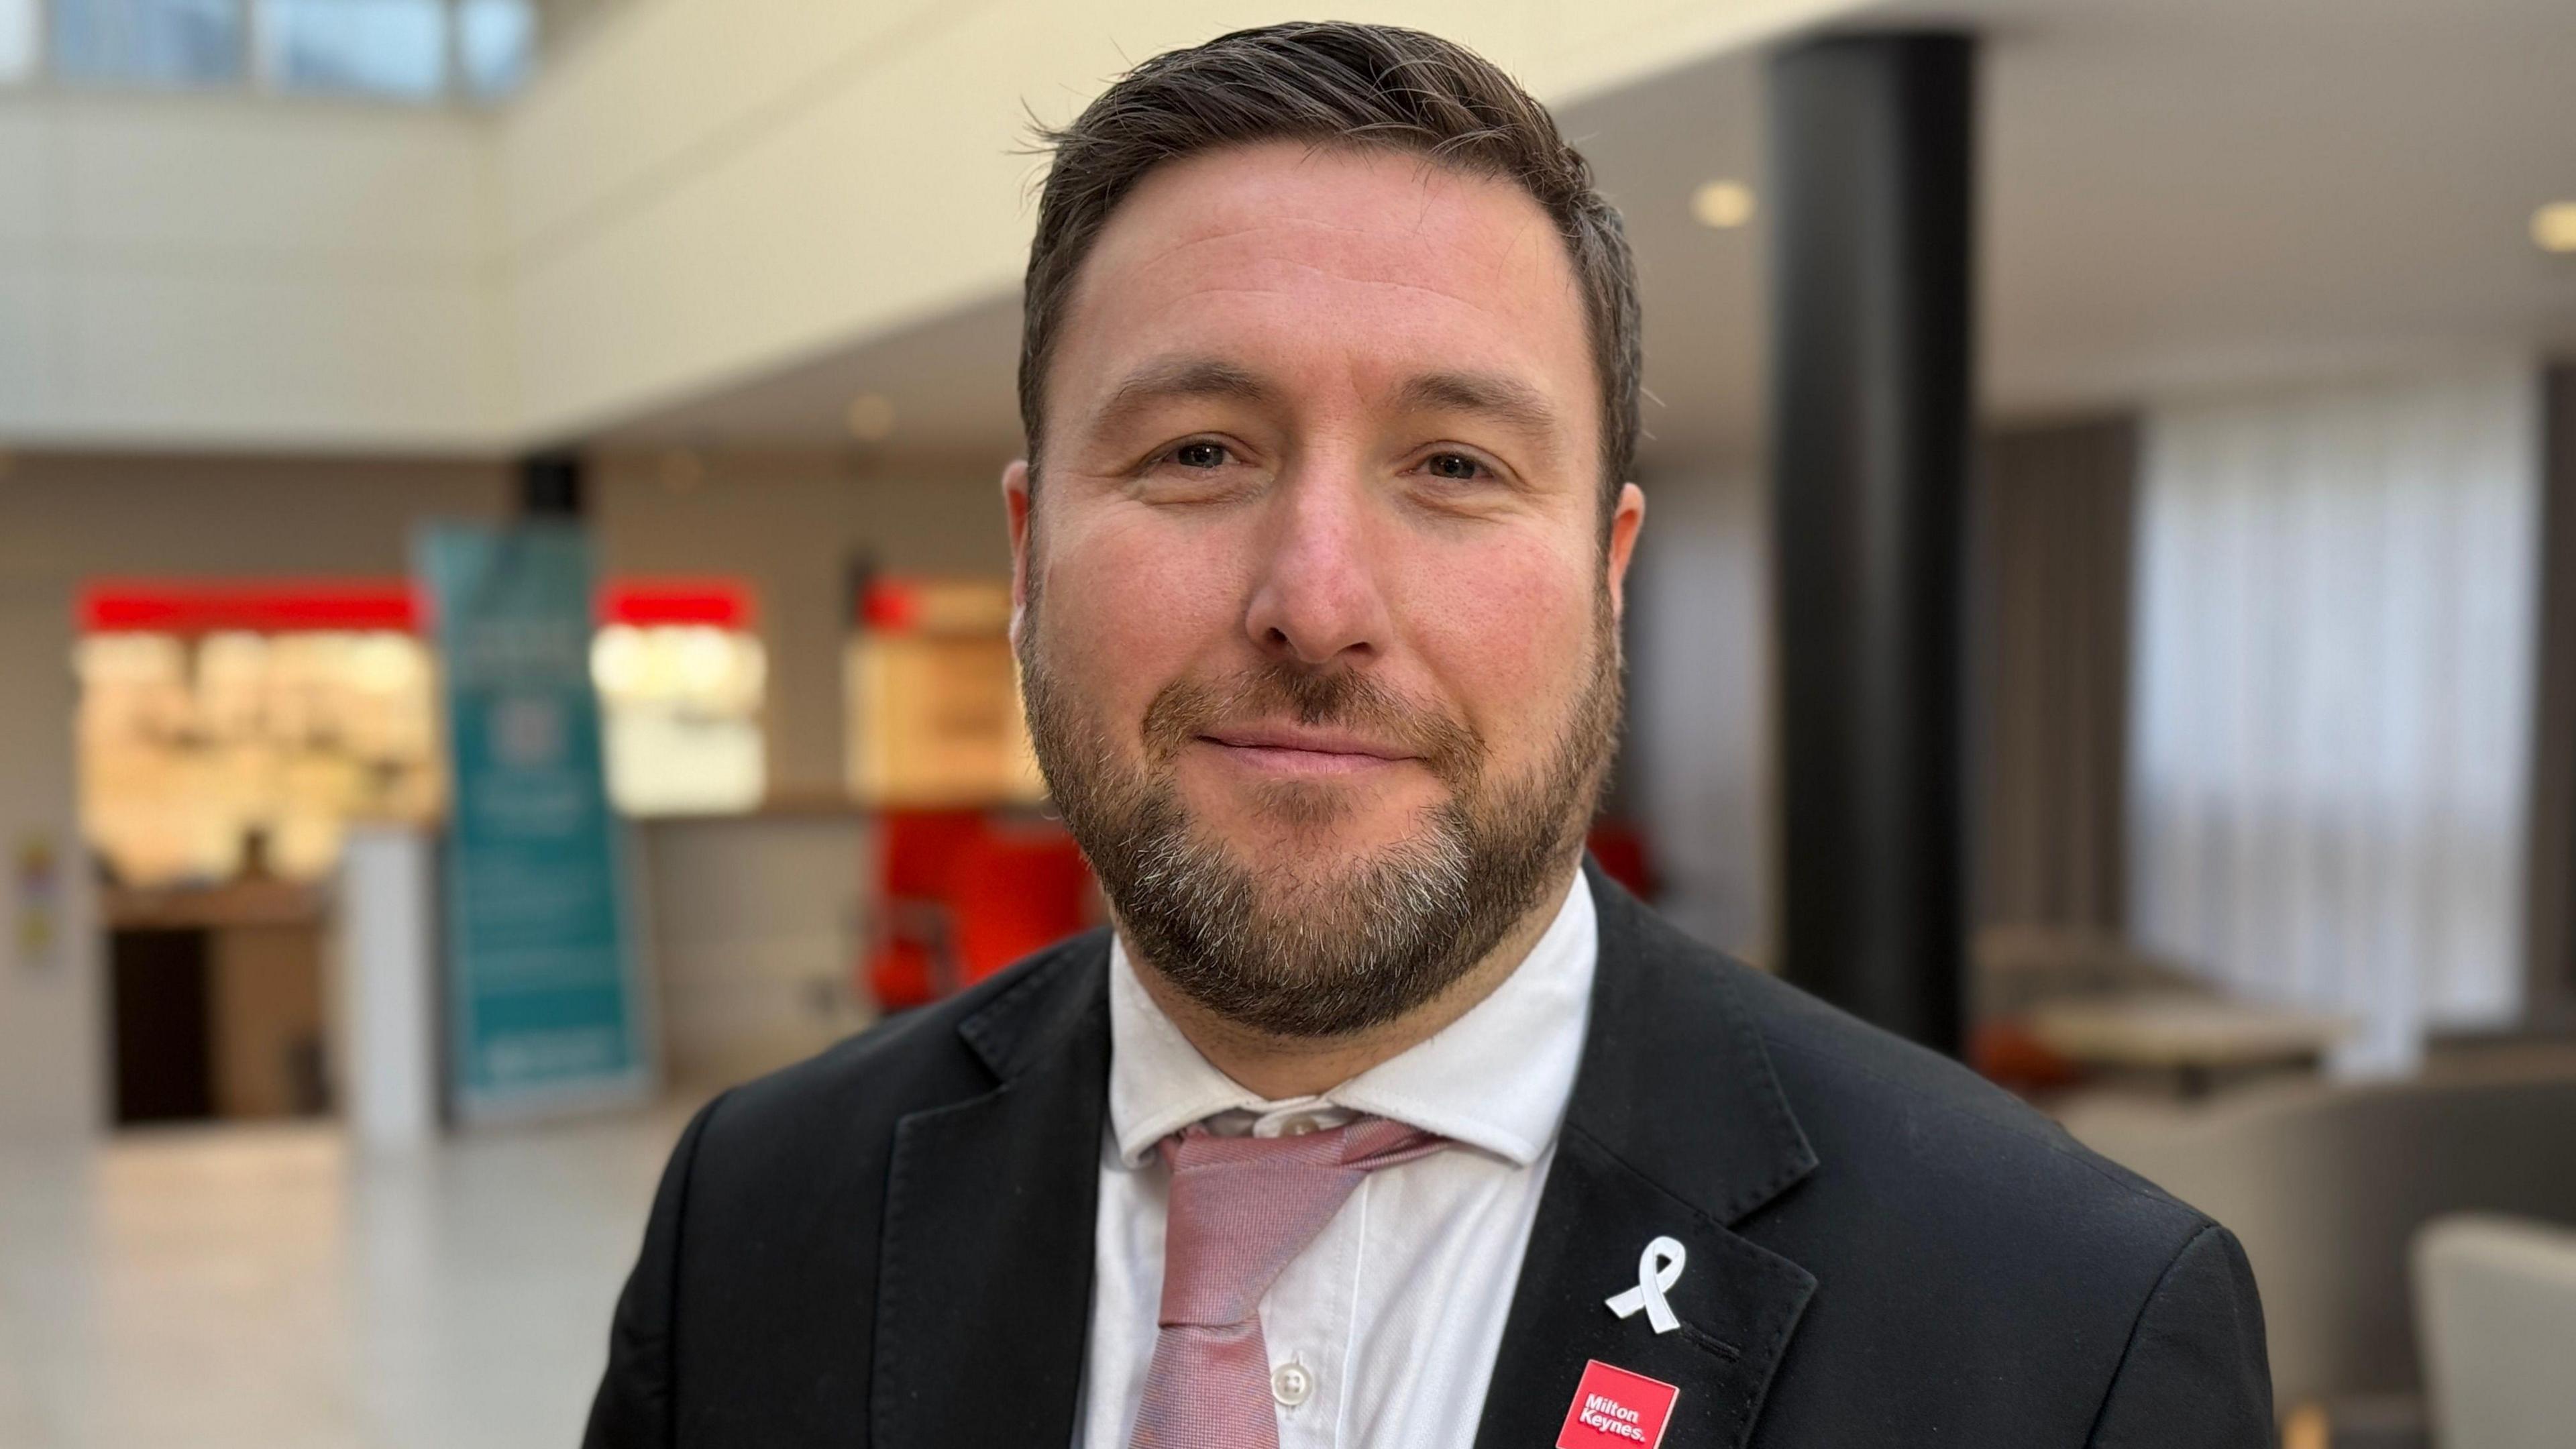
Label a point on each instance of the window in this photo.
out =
(934, 698)
(153, 42)
(392, 48)
(412, 50)
(17, 40)
(191, 745)
(496, 46)
(2330, 729)
(680, 705)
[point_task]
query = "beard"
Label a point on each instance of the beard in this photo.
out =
(1302, 944)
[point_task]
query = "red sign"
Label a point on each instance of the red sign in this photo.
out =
(723, 603)
(1613, 1407)
(291, 605)
(265, 606)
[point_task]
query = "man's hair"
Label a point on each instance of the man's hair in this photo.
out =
(1332, 83)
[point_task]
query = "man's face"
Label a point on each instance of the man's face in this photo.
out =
(1317, 622)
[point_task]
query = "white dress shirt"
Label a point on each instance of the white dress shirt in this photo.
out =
(1383, 1331)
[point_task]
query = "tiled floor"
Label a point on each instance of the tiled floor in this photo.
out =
(270, 1287)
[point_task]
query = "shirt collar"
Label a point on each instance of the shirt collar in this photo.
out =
(1497, 1078)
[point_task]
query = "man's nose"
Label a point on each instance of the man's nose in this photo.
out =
(1317, 600)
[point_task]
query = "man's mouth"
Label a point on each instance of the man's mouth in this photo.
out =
(1300, 750)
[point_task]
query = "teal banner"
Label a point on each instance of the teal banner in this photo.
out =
(544, 996)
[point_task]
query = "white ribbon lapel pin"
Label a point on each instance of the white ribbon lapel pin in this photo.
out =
(1658, 1268)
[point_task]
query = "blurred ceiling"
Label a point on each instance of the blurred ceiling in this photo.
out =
(2179, 196)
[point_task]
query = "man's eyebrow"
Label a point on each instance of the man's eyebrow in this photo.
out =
(1507, 400)
(1171, 378)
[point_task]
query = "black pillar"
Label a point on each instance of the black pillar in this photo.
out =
(1872, 372)
(550, 485)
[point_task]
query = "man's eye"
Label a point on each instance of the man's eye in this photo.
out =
(1454, 467)
(1200, 455)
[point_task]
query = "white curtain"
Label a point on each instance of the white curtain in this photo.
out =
(2330, 731)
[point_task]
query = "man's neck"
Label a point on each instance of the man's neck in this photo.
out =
(1284, 1068)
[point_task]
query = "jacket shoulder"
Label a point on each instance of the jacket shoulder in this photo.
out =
(925, 1058)
(1955, 1228)
(1971, 1163)
(1874, 1092)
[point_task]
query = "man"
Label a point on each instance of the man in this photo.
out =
(1378, 1119)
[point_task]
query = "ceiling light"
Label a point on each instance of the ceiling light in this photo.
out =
(2553, 227)
(1723, 205)
(870, 417)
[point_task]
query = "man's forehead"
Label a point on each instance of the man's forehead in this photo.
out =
(1367, 207)
(1384, 248)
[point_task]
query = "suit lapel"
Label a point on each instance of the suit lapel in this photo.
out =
(984, 1286)
(1677, 1128)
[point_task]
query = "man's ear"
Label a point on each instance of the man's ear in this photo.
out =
(1625, 520)
(1015, 505)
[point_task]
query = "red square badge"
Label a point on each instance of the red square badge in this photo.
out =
(1613, 1407)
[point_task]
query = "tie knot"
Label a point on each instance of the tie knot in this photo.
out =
(1243, 1207)
(1362, 1145)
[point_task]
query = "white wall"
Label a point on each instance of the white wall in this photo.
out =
(212, 271)
(757, 924)
(1699, 669)
(51, 1065)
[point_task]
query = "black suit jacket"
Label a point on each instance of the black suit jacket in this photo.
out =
(891, 1244)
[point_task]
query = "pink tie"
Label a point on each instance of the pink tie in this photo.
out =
(1242, 1209)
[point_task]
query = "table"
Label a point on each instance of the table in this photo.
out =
(2195, 1037)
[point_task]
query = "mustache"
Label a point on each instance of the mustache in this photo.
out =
(1345, 699)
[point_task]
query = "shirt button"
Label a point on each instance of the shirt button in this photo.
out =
(1291, 1384)
(1298, 1126)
